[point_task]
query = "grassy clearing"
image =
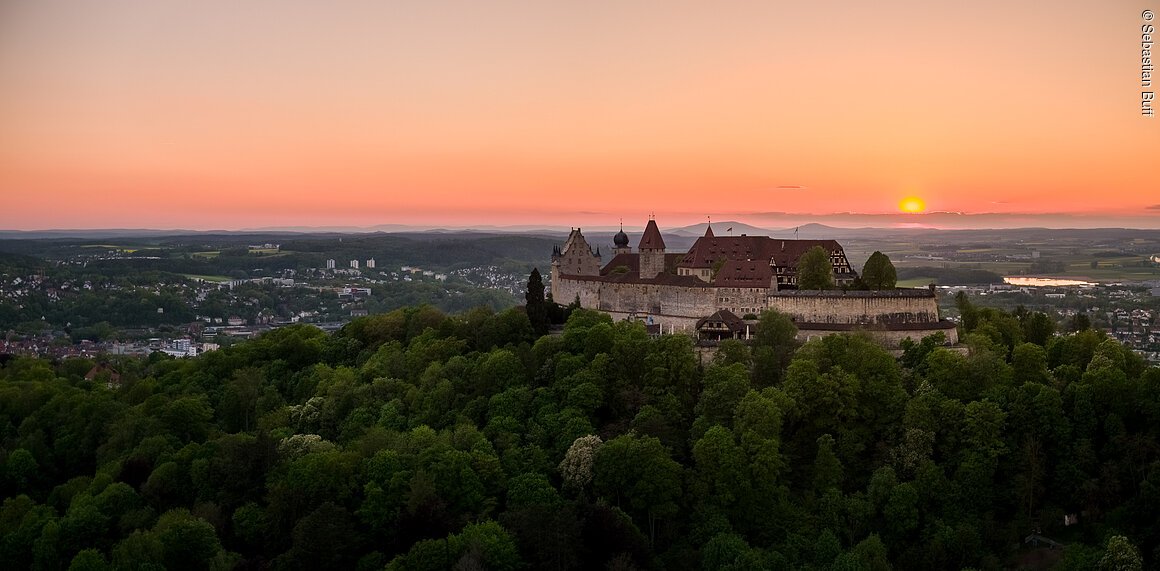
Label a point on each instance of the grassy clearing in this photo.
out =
(916, 282)
(125, 249)
(1076, 255)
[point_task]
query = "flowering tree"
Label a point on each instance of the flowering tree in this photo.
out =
(576, 468)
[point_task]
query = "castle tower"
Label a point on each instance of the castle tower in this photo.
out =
(652, 251)
(620, 242)
(574, 258)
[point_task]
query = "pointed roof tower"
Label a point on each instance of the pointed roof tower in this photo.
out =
(651, 240)
(709, 231)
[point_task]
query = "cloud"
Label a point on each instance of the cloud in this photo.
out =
(1153, 207)
(783, 188)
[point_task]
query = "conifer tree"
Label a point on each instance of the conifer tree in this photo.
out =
(534, 302)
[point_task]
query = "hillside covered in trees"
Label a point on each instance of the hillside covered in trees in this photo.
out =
(414, 440)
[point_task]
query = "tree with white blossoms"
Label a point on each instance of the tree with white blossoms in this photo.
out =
(305, 416)
(299, 445)
(576, 468)
(1121, 555)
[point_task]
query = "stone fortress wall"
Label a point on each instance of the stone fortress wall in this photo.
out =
(566, 289)
(887, 316)
(894, 307)
(638, 298)
(890, 316)
(743, 300)
(890, 338)
(898, 307)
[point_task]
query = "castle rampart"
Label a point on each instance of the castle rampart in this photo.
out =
(895, 307)
(743, 281)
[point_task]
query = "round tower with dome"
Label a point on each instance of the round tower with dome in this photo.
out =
(620, 242)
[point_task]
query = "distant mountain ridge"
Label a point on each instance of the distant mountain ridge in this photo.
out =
(597, 234)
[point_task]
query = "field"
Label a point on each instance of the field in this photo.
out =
(127, 249)
(916, 282)
(216, 279)
(1070, 254)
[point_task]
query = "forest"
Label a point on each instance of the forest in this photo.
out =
(416, 440)
(227, 254)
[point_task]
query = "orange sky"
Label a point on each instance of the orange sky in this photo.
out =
(184, 114)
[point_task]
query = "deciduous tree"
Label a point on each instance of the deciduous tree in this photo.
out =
(879, 272)
(639, 473)
(814, 270)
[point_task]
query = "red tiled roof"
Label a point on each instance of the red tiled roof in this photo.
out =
(672, 260)
(675, 280)
(739, 273)
(787, 252)
(632, 262)
(98, 369)
(651, 238)
(728, 318)
(746, 260)
(708, 249)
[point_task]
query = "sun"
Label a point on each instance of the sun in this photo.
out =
(912, 205)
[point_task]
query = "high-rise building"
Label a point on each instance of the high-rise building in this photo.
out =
(354, 264)
(370, 263)
(330, 264)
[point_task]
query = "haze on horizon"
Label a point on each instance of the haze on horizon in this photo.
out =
(168, 114)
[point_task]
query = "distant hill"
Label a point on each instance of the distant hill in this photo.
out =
(597, 236)
(719, 228)
(811, 231)
(100, 233)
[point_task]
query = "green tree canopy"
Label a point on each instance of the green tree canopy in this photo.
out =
(878, 272)
(416, 440)
(1121, 555)
(773, 347)
(638, 473)
(814, 270)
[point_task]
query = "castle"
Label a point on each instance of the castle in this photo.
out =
(704, 290)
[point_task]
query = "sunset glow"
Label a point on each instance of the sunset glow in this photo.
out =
(912, 205)
(266, 113)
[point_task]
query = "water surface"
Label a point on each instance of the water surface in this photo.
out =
(1042, 282)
